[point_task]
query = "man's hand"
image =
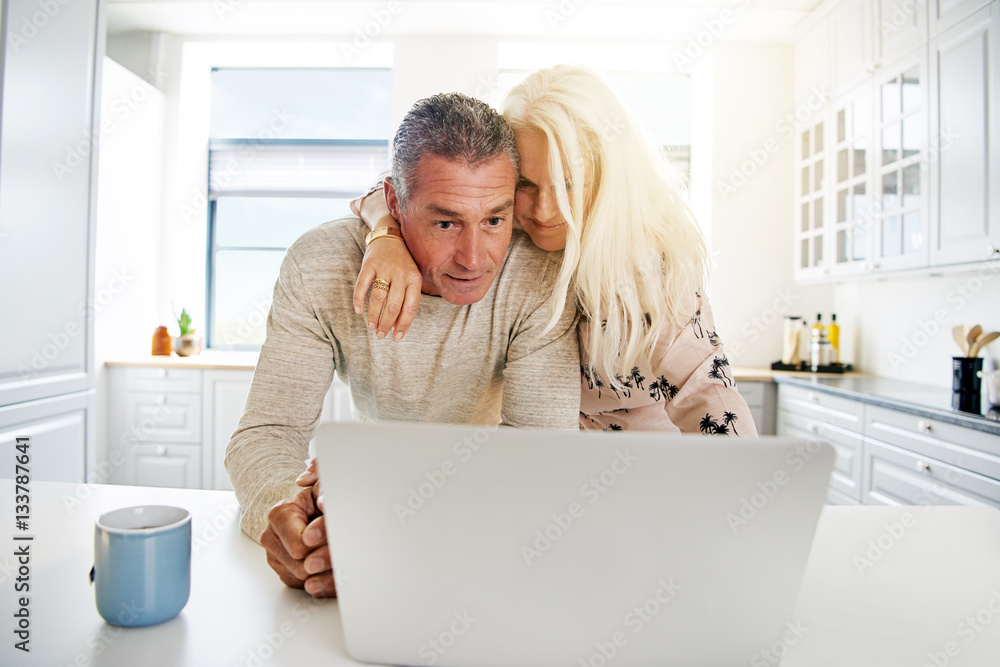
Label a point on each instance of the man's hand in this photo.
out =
(295, 540)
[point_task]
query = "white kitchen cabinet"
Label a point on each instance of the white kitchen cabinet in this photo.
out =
(965, 135)
(57, 427)
(900, 27)
(913, 460)
(899, 220)
(838, 421)
(888, 456)
(761, 398)
(170, 426)
(177, 466)
(811, 227)
(944, 14)
(46, 223)
(224, 397)
(853, 182)
(851, 37)
(812, 62)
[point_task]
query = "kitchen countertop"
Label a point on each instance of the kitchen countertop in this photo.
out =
(225, 360)
(922, 400)
(870, 597)
(207, 360)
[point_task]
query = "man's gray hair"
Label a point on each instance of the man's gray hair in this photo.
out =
(453, 126)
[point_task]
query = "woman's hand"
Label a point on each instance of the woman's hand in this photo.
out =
(389, 259)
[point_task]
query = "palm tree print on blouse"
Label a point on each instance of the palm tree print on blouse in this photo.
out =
(662, 389)
(710, 426)
(695, 323)
(718, 371)
(585, 373)
(613, 427)
(713, 338)
(729, 419)
(625, 384)
(636, 377)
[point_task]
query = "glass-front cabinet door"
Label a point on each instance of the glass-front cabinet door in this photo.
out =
(811, 223)
(900, 224)
(852, 209)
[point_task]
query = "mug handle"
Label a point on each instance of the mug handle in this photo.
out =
(93, 570)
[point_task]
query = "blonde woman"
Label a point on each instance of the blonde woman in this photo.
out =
(634, 261)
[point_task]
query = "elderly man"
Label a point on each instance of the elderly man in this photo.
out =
(480, 353)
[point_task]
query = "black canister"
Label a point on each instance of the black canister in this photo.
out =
(966, 383)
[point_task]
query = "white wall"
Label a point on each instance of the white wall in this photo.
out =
(752, 204)
(129, 225)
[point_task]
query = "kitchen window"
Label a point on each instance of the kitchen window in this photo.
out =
(289, 149)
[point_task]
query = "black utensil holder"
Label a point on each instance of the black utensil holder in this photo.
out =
(966, 383)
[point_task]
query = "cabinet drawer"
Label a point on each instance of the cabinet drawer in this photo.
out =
(183, 380)
(899, 477)
(847, 466)
(177, 466)
(961, 447)
(162, 417)
(752, 393)
(843, 412)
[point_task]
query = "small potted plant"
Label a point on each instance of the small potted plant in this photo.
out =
(187, 343)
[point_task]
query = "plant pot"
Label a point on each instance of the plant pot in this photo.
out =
(187, 345)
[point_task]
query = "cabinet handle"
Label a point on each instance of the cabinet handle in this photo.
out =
(161, 450)
(812, 397)
(162, 373)
(923, 466)
(161, 399)
(923, 425)
(993, 251)
(813, 428)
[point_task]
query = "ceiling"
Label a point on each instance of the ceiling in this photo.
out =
(743, 20)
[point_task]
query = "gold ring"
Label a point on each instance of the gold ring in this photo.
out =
(381, 284)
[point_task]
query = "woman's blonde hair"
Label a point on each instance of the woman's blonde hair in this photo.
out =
(633, 246)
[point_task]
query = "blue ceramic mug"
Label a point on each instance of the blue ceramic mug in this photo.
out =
(142, 564)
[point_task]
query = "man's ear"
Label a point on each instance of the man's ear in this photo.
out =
(391, 199)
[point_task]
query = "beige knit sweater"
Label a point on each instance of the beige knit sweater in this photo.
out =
(484, 363)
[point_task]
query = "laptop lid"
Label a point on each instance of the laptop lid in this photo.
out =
(462, 545)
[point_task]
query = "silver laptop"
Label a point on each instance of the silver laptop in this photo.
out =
(461, 545)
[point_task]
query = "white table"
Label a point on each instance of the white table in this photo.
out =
(908, 604)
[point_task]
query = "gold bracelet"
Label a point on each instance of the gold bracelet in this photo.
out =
(379, 232)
